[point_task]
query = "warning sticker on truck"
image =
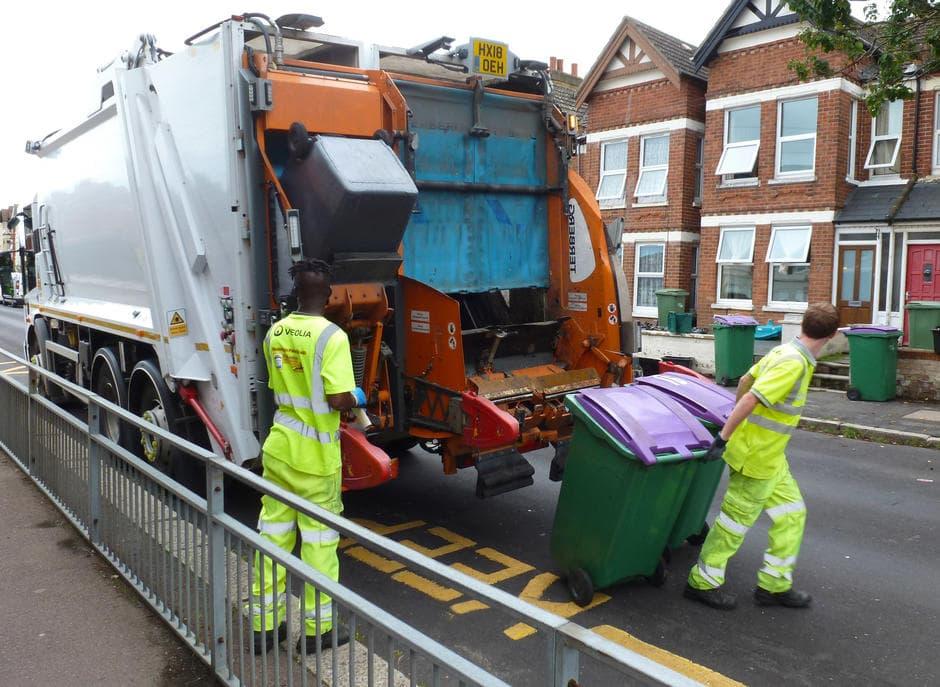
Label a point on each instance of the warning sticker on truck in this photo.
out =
(177, 322)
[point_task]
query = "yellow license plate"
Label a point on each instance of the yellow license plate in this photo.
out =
(490, 58)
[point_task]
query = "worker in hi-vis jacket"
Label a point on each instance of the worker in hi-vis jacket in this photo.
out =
(310, 372)
(771, 397)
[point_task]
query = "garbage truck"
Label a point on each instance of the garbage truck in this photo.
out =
(471, 269)
(16, 258)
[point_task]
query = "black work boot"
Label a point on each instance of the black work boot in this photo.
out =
(265, 639)
(791, 598)
(326, 641)
(716, 598)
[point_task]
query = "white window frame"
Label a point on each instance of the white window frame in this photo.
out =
(600, 183)
(853, 132)
(781, 139)
(884, 137)
(736, 303)
(772, 266)
(728, 177)
(699, 171)
(936, 135)
(652, 197)
(638, 310)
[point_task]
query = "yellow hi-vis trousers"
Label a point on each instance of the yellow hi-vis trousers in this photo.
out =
(744, 501)
(278, 524)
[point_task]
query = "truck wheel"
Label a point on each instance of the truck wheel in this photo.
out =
(38, 356)
(581, 587)
(108, 382)
(151, 399)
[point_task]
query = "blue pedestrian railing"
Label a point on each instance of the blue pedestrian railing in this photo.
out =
(193, 563)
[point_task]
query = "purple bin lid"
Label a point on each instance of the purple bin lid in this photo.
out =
(646, 421)
(872, 329)
(705, 400)
(735, 320)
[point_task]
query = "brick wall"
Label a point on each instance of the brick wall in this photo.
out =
(652, 101)
(918, 375)
(678, 267)
(820, 277)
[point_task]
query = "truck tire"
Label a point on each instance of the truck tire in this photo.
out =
(150, 398)
(108, 381)
(38, 356)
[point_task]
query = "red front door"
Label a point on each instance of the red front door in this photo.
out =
(923, 282)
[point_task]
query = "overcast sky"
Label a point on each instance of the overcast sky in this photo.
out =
(51, 49)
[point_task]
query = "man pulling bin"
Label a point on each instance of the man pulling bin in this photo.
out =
(753, 441)
(310, 372)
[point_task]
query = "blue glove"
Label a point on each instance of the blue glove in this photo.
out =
(360, 395)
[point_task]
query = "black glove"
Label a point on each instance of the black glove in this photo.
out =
(717, 450)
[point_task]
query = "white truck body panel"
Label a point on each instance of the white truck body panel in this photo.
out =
(148, 202)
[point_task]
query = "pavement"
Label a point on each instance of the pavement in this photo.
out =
(68, 618)
(894, 422)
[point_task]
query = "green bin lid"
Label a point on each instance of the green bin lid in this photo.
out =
(919, 305)
(672, 292)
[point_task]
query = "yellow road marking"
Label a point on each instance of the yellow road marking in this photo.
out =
(17, 372)
(468, 607)
(8, 362)
(374, 560)
(12, 370)
(379, 528)
(681, 665)
(454, 543)
(519, 631)
(425, 586)
(511, 567)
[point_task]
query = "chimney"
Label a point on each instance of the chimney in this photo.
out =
(560, 65)
(551, 63)
(574, 69)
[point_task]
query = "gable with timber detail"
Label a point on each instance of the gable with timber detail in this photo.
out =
(744, 17)
(628, 59)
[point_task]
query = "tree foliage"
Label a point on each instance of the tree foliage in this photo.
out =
(901, 46)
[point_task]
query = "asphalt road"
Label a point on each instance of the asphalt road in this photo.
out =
(869, 558)
(11, 329)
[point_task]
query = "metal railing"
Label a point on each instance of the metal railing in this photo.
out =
(193, 563)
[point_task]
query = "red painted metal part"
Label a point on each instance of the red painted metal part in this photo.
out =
(190, 395)
(365, 465)
(486, 426)
(666, 366)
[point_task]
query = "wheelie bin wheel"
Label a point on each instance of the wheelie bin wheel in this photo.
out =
(699, 539)
(658, 578)
(667, 555)
(580, 586)
(854, 394)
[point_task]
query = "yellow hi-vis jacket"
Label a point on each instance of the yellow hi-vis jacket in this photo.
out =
(781, 379)
(308, 358)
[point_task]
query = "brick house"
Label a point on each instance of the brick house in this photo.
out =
(645, 121)
(801, 201)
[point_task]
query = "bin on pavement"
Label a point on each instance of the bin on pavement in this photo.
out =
(922, 317)
(679, 322)
(670, 300)
(629, 467)
(712, 405)
(873, 362)
(734, 347)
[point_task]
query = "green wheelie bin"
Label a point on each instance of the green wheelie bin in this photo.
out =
(670, 300)
(734, 347)
(712, 405)
(873, 362)
(922, 317)
(630, 464)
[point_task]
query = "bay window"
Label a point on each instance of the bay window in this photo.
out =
(735, 265)
(883, 154)
(796, 137)
(742, 142)
(788, 258)
(654, 168)
(613, 170)
(648, 276)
